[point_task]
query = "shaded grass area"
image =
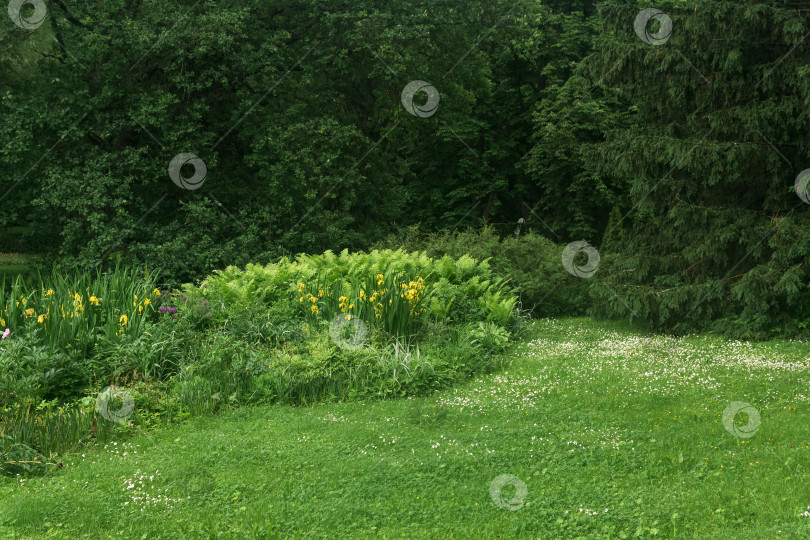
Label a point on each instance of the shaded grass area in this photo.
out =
(23, 265)
(614, 434)
(12, 265)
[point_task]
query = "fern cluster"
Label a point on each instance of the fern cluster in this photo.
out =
(389, 289)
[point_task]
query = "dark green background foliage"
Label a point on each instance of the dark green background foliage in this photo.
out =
(717, 232)
(555, 113)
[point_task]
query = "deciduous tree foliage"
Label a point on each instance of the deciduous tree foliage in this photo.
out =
(294, 107)
(551, 112)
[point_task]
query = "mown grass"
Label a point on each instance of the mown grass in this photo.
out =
(615, 436)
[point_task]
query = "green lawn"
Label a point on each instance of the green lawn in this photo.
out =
(615, 435)
(12, 264)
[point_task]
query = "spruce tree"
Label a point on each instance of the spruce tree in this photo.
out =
(717, 236)
(614, 235)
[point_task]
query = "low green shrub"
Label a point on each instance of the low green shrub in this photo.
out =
(531, 262)
(489, 336)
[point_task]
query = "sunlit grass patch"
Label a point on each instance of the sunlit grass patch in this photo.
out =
(602, 453)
